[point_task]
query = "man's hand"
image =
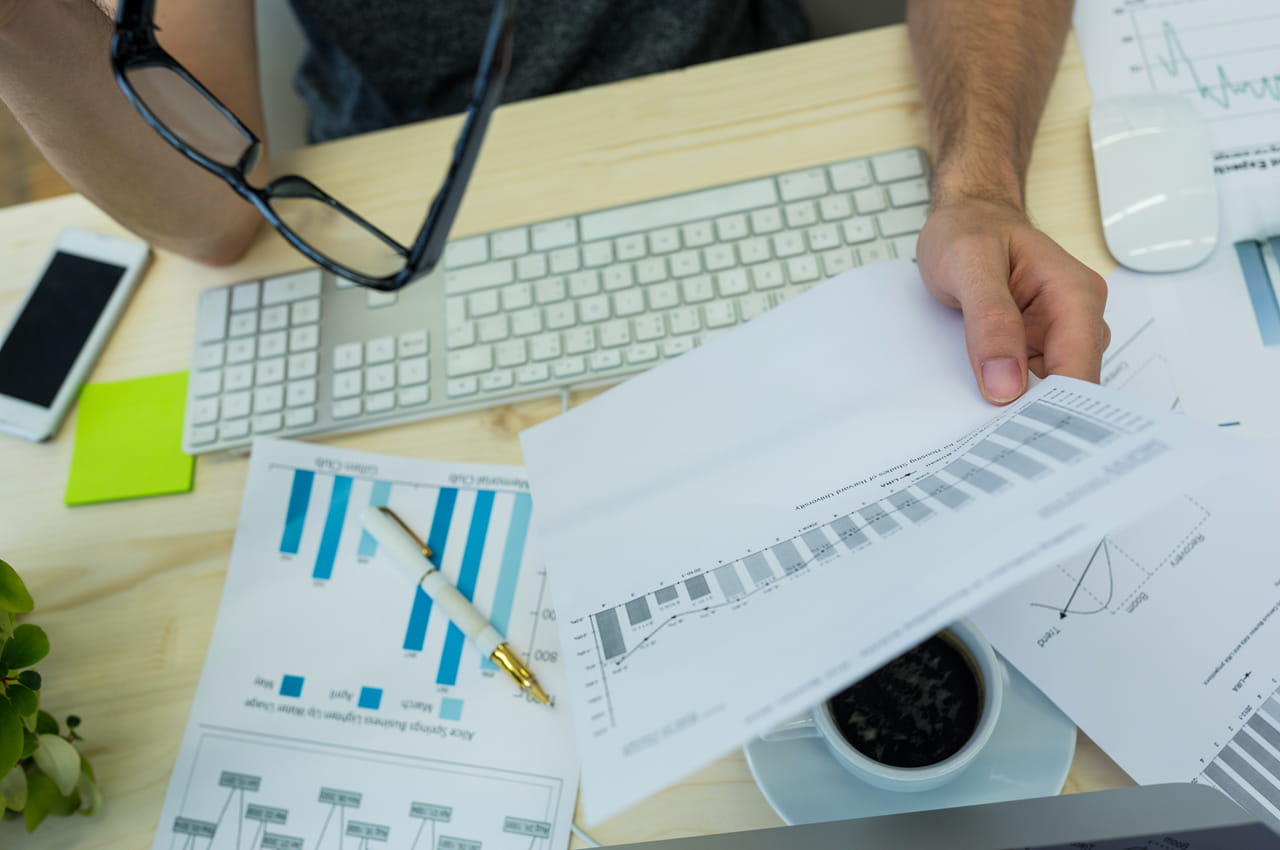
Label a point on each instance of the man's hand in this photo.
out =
(1026, 302)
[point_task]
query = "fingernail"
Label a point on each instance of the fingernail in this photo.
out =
(1002, 379)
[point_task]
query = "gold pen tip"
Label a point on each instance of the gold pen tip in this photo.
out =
(536, 691)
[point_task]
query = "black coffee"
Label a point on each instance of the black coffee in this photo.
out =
(915, 711)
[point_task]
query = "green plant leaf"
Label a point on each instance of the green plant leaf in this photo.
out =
(57, 758)
(46, 723)
(13, 593)
(13, 789)
(42, 796)
(23, 698)
(29, 744)
(68, 804)
(90, 796)
(26, 646)
(10, 735)
(86, 768)
(31, 679)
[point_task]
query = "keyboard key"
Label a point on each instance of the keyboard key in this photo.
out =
(677, 346)
(299, 393)
(550, 291)
(663, 295)
(685, 263)
(823, 237)
(210, 355)
(649, 328)
(802, 269)
(801, 214)
(527, 322)
(768, 276)
(234, 429)
(509, 243)
(614, 334)
(628, 303)
(206, 384)
(379, 378)
(240, 350)
(651, 270)
(664, 240)
(460, 387)
(273, 344)
(604, 360)
(718, 257)
(897, 165)
(720, 314)
(564, 260)
(810, 183)
(242, 324)
(561, 316)
(584, 283)
(874, 253)
(204, 410)
(346, 408)
(238, 377)
(750, 306)
(499, 380)
(412, 344)
(697, 289)
(533, 373)
(680, 209)
(630, 247)
(380, 299)
(697, 234)
(594, 309)
(617, 277)
(909, 192)
(267, 399)
(415, 370)
(380, 350)
(569, 367)
(299, 417)
(755, 250)
(274, 318)
(837, 260)
(244, 296)
(788, 244)
(642, 352)
(482, 303)
(380, 402)
(858, 230)
(348, 356)
(544, 347)
(479, 277)
(493, 329)
(211, 315)
(270, 371)
(410, 396)
(466, 252)
(579, 341)
(302, 365)
(236, 405)
(597, 254)
(460, 336)
(531, 267)
(835, 207)
(304, 338)
(869, 200)
(684, 320)
(905, 246)
(554, 234)
(766, 221)
(469, 361)
(510, 353)
(847, 176)
(905, 220)
(732, 282)
(305, 312)
(201, 434)
(292, 287)
(517, 296)
(347, 384)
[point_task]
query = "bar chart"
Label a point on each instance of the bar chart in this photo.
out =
(1248, 768)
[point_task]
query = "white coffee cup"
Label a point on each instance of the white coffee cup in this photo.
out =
(990, 674)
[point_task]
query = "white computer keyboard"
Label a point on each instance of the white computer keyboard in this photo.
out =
(529, 311)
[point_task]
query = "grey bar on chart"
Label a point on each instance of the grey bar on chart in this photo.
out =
(727, 578)
(610, 634)
(1011, 459)
(1064, 420)
(1227, 785)
(638, 611)
(848, 531)
(935, 488)
(878, 518)
(1261, 754)
(1041, 441)
(666, 594)
(758, 568)
(1260, 784)
(789, 556)
(818, 544)
(910, 507)
(1265, 730)
(697, 587)
(983, 479)
(1272, 707)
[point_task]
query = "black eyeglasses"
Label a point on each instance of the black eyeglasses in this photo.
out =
(191, 119)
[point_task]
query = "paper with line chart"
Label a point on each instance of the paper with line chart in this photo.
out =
(740, 533)
(1162, 640)
(337, 710)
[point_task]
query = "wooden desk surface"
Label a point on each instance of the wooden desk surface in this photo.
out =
(128, 590)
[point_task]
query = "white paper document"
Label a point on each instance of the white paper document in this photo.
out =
(336, 708)
(738, 534)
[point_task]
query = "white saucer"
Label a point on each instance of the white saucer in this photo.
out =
(1028, 755)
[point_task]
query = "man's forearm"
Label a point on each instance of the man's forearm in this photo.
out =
(55, 76)
(985, 68)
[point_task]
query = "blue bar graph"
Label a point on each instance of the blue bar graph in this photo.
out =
(505, 594)
(378, 498)
(332, 528)
(370, 698)
(291, 686)
(416, 633)
(296, 517)
(450, 709)
(467, 575)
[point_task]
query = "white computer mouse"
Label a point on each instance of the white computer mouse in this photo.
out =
(1154, 164)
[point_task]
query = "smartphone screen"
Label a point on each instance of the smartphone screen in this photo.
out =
(54, 325)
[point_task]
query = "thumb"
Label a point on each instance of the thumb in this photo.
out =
(995, 336)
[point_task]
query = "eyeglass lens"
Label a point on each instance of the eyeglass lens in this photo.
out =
(336, 236)
(188, 114)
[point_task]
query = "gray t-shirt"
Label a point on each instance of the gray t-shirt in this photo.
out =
(378, 63)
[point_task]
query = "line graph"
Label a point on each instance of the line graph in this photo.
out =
(1175, 62)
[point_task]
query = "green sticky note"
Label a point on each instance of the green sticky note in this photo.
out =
(129, 440)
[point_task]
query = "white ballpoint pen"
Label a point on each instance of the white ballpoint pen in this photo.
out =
(414, 558)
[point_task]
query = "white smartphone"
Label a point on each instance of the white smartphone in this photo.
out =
(57, 332)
